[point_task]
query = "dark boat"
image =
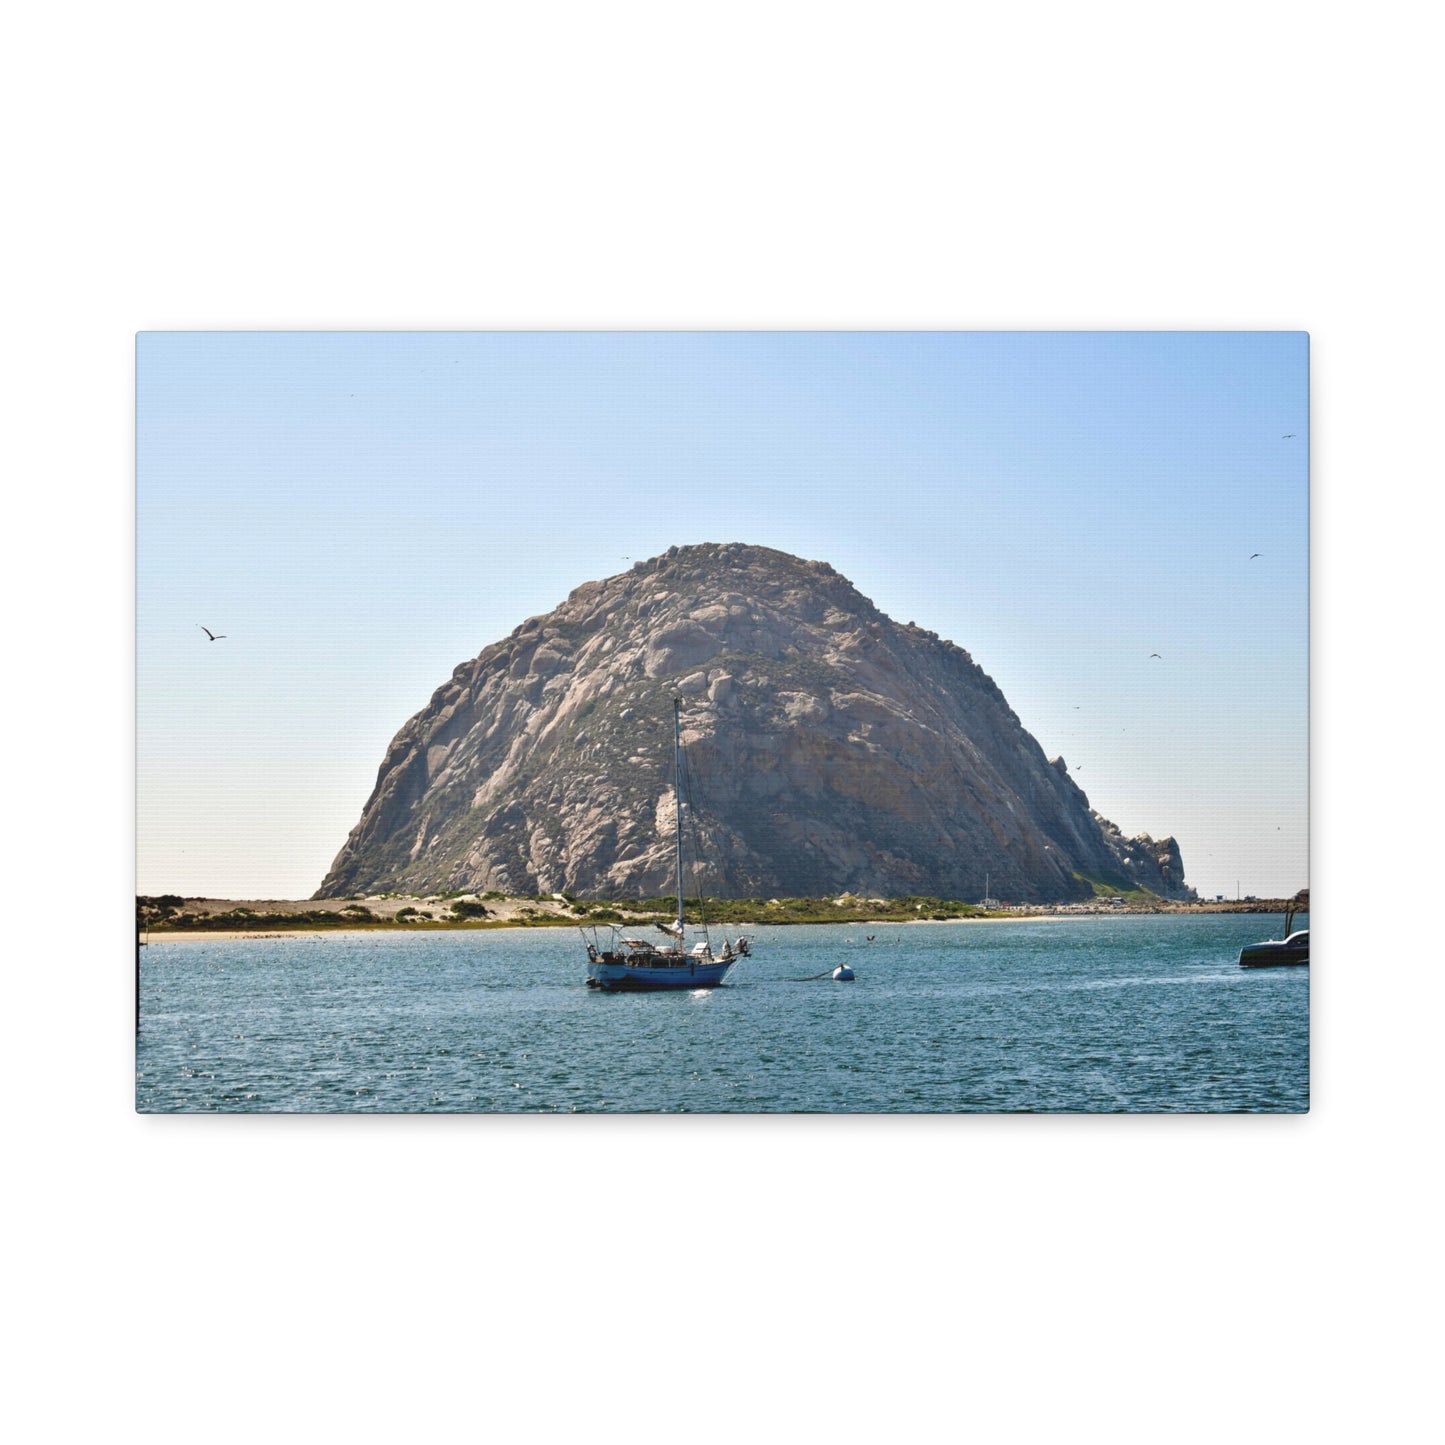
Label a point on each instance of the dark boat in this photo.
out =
(1293, 948)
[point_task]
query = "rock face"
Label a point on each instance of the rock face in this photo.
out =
(830, 749)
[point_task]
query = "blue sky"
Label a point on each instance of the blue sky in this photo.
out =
(359, 512)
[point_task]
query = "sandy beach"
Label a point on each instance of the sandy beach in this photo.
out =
(432, 914)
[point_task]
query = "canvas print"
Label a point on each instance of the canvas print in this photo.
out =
(722, 722)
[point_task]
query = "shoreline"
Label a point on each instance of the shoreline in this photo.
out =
(169, 917)
(196, 935)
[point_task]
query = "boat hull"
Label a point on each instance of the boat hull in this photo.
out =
(1277, 952)
(642, 977)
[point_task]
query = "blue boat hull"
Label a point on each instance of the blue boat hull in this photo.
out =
(628, 977)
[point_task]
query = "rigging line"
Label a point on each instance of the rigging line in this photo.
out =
(691, 824)
(707, 860)
(705, 854)
(826, 973)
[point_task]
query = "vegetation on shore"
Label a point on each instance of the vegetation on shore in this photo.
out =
(453, 911)
(1111, 886)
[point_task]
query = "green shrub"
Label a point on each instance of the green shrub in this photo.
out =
(152, 910)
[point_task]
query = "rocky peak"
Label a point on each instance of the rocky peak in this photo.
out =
(831, 749)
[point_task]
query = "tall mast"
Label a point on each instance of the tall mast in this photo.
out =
(677, 795)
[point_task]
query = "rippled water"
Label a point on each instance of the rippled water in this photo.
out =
(1089, 1014)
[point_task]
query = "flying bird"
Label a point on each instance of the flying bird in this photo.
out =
(1155, 654)
(1253, 555)
(1286, 436)
(214, 636)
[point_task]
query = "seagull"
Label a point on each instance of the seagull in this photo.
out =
(1155, 654)
(1253, 555)
(1286, 436)
(214, 636)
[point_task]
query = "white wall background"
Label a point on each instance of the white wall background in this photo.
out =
(794, 165)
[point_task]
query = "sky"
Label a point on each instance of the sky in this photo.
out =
(359, 512)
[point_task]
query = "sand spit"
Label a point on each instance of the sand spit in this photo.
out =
(392, 914)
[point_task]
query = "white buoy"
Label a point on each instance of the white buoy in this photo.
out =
(842, 974)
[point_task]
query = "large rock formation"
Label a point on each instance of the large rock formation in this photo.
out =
(830, 749)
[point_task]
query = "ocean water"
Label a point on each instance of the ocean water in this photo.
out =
(1130, 1014)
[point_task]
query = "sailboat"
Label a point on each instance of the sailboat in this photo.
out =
(628, 963)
